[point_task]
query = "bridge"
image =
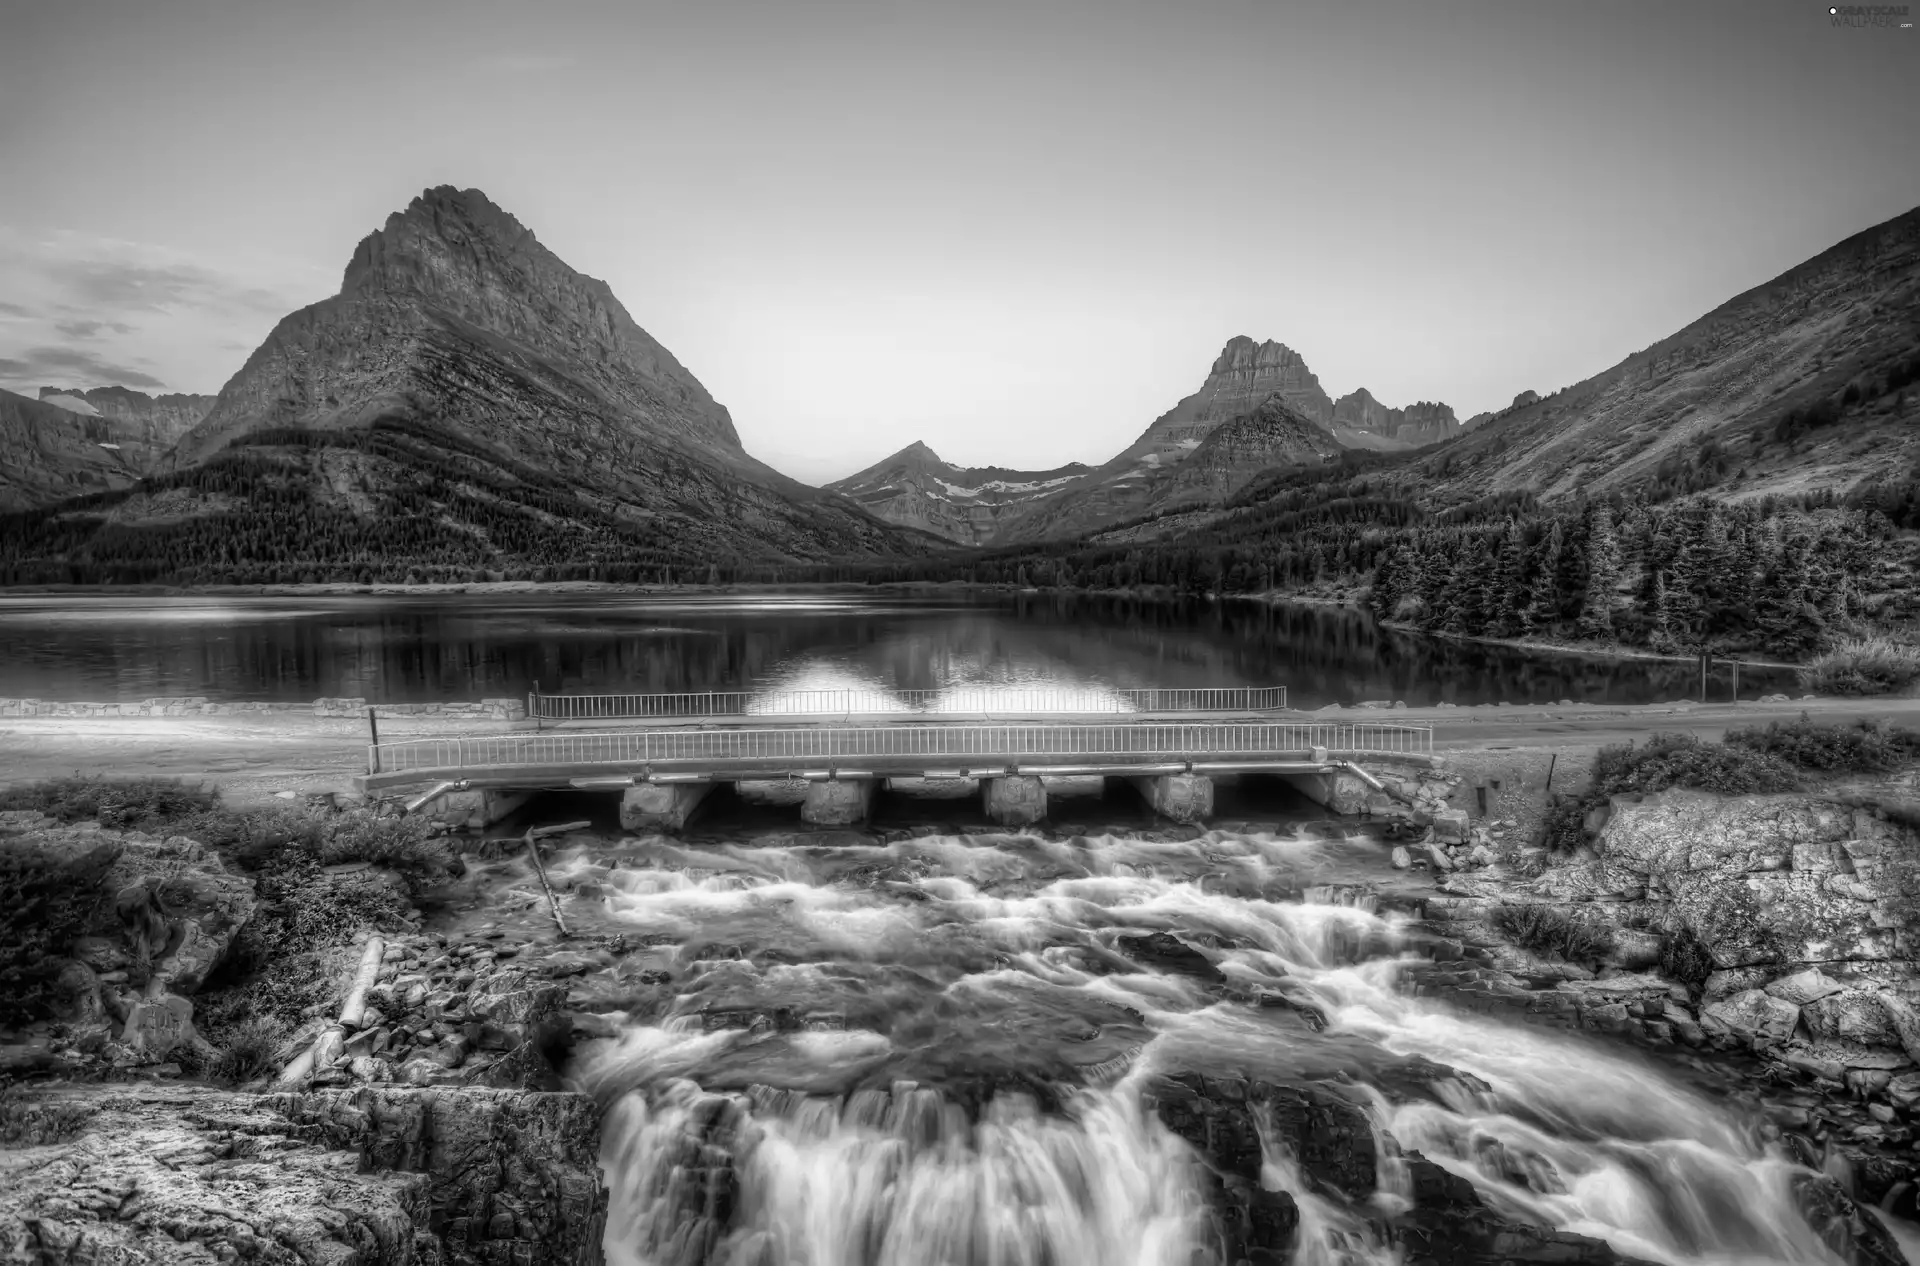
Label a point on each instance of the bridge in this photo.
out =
(666, 761)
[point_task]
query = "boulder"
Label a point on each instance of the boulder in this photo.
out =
(1852, 1015)
(1402, 859)
(1753, 1013)
(1635, 949)
(1450, 826)
(1804, 986)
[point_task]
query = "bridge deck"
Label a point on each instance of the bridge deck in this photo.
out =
(557, 759)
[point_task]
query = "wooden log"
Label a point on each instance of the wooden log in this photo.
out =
(542, 832)
(299, 1068)
(539, 868)
(355, 1010)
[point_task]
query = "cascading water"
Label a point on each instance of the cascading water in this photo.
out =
(941, 1052)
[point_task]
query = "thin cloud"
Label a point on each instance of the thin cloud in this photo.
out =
(43, 364)
(127, 286)
(90, 329)
(14, 310)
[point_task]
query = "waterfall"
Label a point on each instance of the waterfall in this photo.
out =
(845, 1073)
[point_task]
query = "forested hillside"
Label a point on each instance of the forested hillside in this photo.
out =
(1771, 576)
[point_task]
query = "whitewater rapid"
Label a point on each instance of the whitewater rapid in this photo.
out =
(815, 1082)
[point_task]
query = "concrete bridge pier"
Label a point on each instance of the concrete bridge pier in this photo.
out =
(656, 806)
(1016, 800)
(1338, 790)
(1180, 797)
(838, 802)
(475, 810)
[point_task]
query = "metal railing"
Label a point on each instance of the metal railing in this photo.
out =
(892, 743)
(965, 699)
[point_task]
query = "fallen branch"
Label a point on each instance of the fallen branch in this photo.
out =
(542, 832)
(539, 868)
(354, 1013)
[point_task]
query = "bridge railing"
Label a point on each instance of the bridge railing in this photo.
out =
(882, 743)
(1006, 700)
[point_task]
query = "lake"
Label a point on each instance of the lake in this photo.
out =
(417, 648)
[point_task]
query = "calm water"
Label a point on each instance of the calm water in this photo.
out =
(463, 646)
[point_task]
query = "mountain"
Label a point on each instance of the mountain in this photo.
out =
(145, 427)
(470, 398)
(48, 454)
(1796, 385)
(963, 504)
(1359, 421)
(162, 419)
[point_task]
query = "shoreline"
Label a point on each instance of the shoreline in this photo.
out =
(1154, 593)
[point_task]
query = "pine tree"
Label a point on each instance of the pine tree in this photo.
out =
(1509, 615)
(1545, 600)
(1603, 572)
(1661, 635)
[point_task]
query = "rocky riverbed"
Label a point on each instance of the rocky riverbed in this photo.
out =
(1261, 1042)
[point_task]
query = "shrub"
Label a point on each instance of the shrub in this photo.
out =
(1866, 747)
(49, 897)
(251, 1050)
(118, 802)
(1863, 666)
(1682, 760)
(26, 1122)
(1684, 956)
(1550, 930)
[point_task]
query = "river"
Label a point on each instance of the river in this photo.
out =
(944, 1051)
(401, 649)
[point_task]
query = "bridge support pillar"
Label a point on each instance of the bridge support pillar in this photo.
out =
(1017, 800)
(839, 802)
(475, 810)
(657, 806)
(1338, 790)
(1181, 797)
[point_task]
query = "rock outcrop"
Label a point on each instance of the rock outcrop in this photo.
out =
(1446, 1222)
(390, 1178)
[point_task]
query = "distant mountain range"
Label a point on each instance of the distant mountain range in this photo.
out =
(71, 442)
(470, 403)
(1259, 407)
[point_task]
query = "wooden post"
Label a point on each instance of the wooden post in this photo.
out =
(1736, 681)
(533, 704)
(1551, 758)
(1705, 660)
(373, 755)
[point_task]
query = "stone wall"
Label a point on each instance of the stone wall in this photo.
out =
(200, 705)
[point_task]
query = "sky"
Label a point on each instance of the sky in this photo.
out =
(1018, 230)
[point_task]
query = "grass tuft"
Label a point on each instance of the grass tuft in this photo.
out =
(1547, 929)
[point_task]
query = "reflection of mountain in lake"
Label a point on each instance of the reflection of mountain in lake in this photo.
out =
(469, 646)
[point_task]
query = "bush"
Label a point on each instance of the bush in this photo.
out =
(1867, 747)
(136, 803)
(1685, 957)
(1549, 930)
(1682, 760)
(26, 1122)
(251, 1051)
(1863, 666)
(49, 897)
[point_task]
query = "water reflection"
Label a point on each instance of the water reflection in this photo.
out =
(403, 649)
